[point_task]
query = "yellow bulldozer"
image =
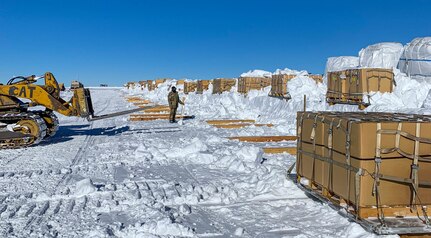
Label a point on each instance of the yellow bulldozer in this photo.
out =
(21, 127)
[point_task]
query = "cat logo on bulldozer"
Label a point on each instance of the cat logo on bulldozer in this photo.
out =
(23, 93)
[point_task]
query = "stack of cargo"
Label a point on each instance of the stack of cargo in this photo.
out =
(150, 85)
(351, 80)
(317, 77)
(416, 58)
(202, 85)
(180, 82)
(279, 85)
(221, 85)
(245, 84)
(349, 86)
(143, 84)
(378, 164)
(130, 85)
(157, 82)
(190, 86)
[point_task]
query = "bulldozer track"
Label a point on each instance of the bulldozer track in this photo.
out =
(23, 141)
(88, 141)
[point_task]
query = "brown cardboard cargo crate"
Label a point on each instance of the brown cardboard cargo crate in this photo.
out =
(157, 82)
(317, 77)
(279, 85)
(150, 85)
(245, 84)
(130, 85)
(189, 86)
(221, 85)
(143, 84)
(202, 85)
(343, 154)
(349, 86)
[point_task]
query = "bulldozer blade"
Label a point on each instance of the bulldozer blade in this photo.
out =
(115, 114)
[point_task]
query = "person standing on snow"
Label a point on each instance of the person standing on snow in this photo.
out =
(173, 99)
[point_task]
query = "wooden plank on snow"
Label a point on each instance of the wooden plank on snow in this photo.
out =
(228, 121)
(280, 150)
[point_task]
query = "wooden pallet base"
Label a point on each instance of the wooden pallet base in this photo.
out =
(264, 138)
(156, 109)
(140, 103)
(279, 150)
(240, 125)
(361, 105)
(284, 97)
(229, 121)
(131, 99)
(398, 220)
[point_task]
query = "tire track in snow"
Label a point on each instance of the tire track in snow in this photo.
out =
(38, 212)
(87, 143)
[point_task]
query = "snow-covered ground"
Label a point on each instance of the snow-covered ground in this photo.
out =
(155, 179)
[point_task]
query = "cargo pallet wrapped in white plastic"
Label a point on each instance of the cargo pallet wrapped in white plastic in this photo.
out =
(384, 55)
(341, 63)
(416, 58)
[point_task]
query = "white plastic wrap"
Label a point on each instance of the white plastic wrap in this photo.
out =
(341, 63)
(384, 55)
(257, 73)
(416, 58)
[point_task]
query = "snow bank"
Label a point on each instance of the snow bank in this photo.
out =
(257, 73)
(341, 63)
(416, 58)
(384, 55)
(287, 71)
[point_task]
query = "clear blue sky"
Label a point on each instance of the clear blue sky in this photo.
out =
(103, 41)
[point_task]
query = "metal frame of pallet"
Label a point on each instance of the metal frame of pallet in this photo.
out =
(361, 105)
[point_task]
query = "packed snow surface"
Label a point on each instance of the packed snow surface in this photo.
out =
(120, 178)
